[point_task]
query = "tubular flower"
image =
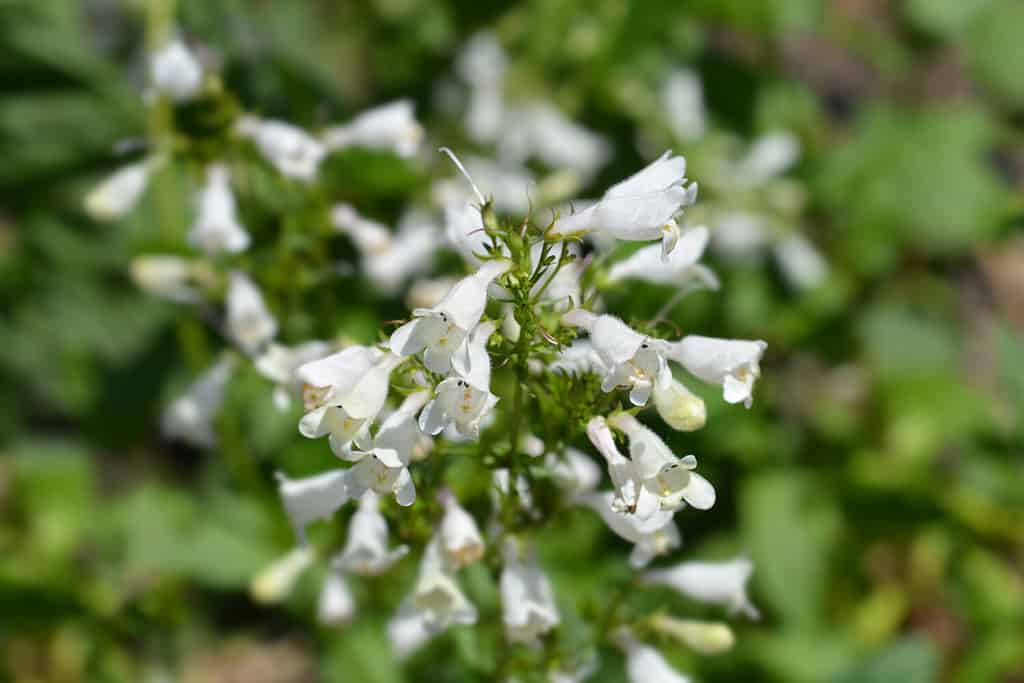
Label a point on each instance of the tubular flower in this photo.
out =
(249, 321)
(335, 607)
(644, 664)
(527, 601)
(289, 149)
(280, 364)
(384, 467)
(175, 71)
(437, 599)
(574, 470)
(641, 207)
(680, 267)
(275, 582)
(652, 537)
(167, 277)
(216, 228)
(459, 534)
(629, 492)
(366, 549)
(717, 583)
(311, 498)
(732, 363)
(190, 416)
(391, 126)
(707, 638)
(119, 192)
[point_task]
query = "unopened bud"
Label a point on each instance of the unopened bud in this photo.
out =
(705, 637)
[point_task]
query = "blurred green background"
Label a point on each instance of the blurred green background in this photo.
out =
(878, 482)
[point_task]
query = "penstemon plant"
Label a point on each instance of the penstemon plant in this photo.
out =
(474, 425)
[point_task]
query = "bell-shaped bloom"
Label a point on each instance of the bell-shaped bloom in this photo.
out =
(343, 393)
(384, 467)
(732, 363)
(167, 277)
(651, 537)
(705, 637)
(682, 98)
(678, 268)
(574, 471)
(119, 192)
(580, 357)
(391, 126)
(335, 607)
(291, 150)
(717, 583)
(644, 664)
(175, 72)
(641, 207)
(280, 364)
(631, 359)
(459, 404)
(216, 228)
(249, 322)
(386, 259)
(630, 495)
(527, 600)
(366, 550)
(539, 130)
(311, 498)
(408, 632)
(678, 406)
(275, 582)
(459, 534)
(437, 598)
(800, 262)
(768, 156)
(440, 331)
(671, 479)
(190, 417)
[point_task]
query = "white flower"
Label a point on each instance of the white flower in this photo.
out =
(738, 234)
(175, 71)
(629, 493)
(428, 292)
(677, 405)
(165, 276)
(291, 150)
(482, 65)
(190, 417)
(680, 266)
(574, 471)
(280, 364)
(335, 606)
(682, 97)
(641, 207)
(458, 403)
(391, 126)
(671, 479)
(631, 359)
(527, 601)
(343, 393)
(768, 156)
(579, 357)
(644, 664)
(651, 537)
(249, 321)
(732, 363)
(275, 582)
(459, 534)
(366, 549)
(800, 262)
(368, 235)
(384, 467)
(407, 633)
(564, 288)
(539, 130)
(411, 251)
(508, 184)
(311, 498)
(440, 331)
(119, 192)
(718, 583)
(436, 598)
(216, 228)
(707, 638)
(463, 227)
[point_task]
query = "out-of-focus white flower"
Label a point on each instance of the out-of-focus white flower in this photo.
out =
(680, 266)
(508, 184)
(275, 582)
(502, 479)
(738, 234)
(428, 293)
(641, 207)
(408, 632)
(175, 71)
(343, 393)
(216, 228)
(368, 235)
(678, 406)
(441, 331)
(800, 262)
(574, 471)
(249, 321)
(539, 130)
(717, 583)
(672, 480)
(732, 363)
(578, 358)
(682, 97)
(366, 549)
(768, 156)
(390, 126)
(644, 664)
(165, 276)
(411, 251)
(482, 64)
(291, 150)
(384, 467)
(527, 601)
(631, 359)
(280, 364)
(652, 537)
(190, 417)
(436, 598)
(335, 606)
(459, 534)
(705, 637)
(119, 192)
(311, 498)
(463, 228)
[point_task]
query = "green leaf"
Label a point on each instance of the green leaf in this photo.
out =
(910, 660)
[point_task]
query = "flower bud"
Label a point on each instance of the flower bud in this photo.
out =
(705, 637)
(678, 406)
(275, 582)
